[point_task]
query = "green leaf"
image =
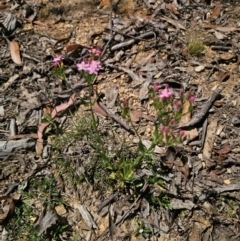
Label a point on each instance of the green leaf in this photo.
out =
(141, 147)
(45, 121)
(137, 161)
(155, 136)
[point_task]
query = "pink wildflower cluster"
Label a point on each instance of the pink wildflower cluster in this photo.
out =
(191, 99)
(95, 52)
(169, 135)
(163, 94)
(177, 104)
(92, 66)
(181, 133)
(57, 61)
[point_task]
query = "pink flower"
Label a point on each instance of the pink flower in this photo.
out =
(57, 60)
(156, 86)
(171, 122)
(177, 104)
(165, 94)
(181, 133)
(83, 66)
(181, 92)
(94, 67)
(192, 99)
(95, 52)
(165, 129)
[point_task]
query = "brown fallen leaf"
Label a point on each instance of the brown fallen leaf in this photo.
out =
(99, 110)
(37, 22)
(135, 115)
(15, 52)
(223, 76)
(215, 14)
(215, 178)
(219, 28)
(224, 150)
(209, 141)
(186, 117)
(73, 47)
(43, 126)
(172, 9)
(7, 214)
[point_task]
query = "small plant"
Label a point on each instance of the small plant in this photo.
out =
(230, 210)
(21, 226)
(161, 200)
(169, 111)
(123, 173)
(141, 229)
(195, 45)
(119, 169)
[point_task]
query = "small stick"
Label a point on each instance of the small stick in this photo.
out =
(106, 202)
(203, 112)
(111, 31)
(119, 121)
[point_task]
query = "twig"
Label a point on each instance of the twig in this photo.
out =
(128, 212)
(204, 132)
(114, 117)
(131, 41)
(132, 206)
(106, 202)
(216, 47)
(210, 74)
(111, 31)
(203, 112)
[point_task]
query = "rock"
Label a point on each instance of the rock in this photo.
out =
(199, 68)
(60, 210)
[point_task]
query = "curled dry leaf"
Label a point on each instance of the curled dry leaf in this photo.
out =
(172, 9)
(135, 115)
(215, 14)
(43, 126)
(224, 150)
(211, 133)
(46, 221)
(186, 117)
(8, 209)
(15, 52)
(99, 110)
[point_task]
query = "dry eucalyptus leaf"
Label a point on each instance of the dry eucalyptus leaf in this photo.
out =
(172, 8)
(186, 117)
(15, 52)
(215, 14)
(8, 209)
(135, 115)
(211, 132)
(87, 217)
(47, 221)
(99, 110)
(181, 204)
